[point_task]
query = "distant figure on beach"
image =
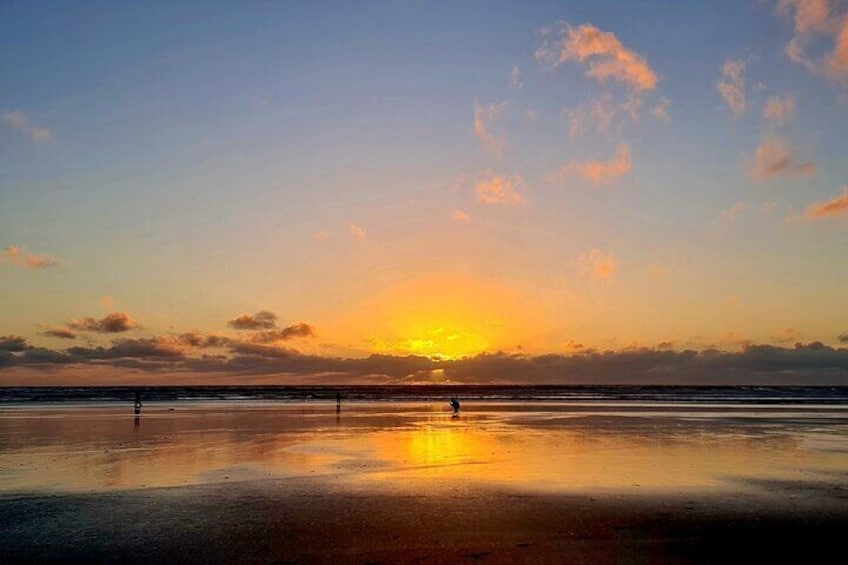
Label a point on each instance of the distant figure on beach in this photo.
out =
(137, 402)
(338, 401)
(454, 403)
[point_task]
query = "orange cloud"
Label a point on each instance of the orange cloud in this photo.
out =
(63, 333)
(606, 56)
(600, 172)
(15, 256)
(459, 216)
(598, 264)
(818, 18)
(19, 121)
(731, 85)
(730, 214)
(660, 111)
(300, 329)
(779, 109)
(832, 208)
(774, 157)
(497, 189)
(321, 235)
(598, 115)
(492, 144)
(356, 231)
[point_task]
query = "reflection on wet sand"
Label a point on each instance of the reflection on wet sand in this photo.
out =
(416, 446)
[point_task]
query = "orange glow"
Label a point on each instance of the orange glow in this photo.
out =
(443, 316)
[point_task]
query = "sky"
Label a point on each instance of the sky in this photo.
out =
(635, 191)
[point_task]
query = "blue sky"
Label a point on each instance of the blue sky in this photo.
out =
(188, 163)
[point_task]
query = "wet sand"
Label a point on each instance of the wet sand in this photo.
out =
(407, 483)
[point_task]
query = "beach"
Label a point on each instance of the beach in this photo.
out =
(389, 482)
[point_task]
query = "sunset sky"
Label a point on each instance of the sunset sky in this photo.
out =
(424, 191)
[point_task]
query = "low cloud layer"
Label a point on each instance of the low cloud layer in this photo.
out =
(801, 364)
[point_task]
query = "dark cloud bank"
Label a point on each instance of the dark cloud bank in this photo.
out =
(804, 364)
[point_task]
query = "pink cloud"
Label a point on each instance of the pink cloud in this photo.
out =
(818, 19)
(459, 216)
(601, 172)
(492, 144)
(731, 85)
(605, 55)
(774, 157)
(835, 207)
(597, 264)
(779, 109)
(355, 230)
(498, 189)
(15, 256)
(730, 214)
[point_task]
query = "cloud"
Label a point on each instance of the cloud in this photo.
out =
(459, 216)
(355, 230)
(261, 320)
(813, 20)
(300, 329)
(63, 333)
(498, 189)
(835, 207)
(107, 302)
(605, 55)
(598, 115)
(515, 77)
(19, 121)
(112, 323)
(13, 343)
(530, 115)
(601, 172)
(779, 109)
(492, 144)
(730, 214)
(775, 157)
(787, 335)
(660, 111)
(321, 235)
(731, 85)
(803, 364)
(15, 256)
(597, 264)
(843, 338)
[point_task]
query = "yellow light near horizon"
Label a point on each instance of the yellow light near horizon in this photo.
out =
(444, 316)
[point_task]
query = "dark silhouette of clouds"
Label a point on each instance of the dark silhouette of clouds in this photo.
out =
(63, 333)
(843, 338)
(112, 323)
(295, 330)
(13, 343)
(261, 320)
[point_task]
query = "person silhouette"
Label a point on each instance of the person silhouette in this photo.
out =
(137, 402)
(454, 403)
(338, 401)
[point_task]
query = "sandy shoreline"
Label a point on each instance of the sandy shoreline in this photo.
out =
(312, 521)
(409, 484)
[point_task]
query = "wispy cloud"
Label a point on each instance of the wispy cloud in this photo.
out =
(500, 189)
(260, 320)
(601, 172)
(63, 333)
(779, 109)
(814, 20)
(112, 323)
(775, 157)
(731, 213)
(515, 78)
(731, 85)
(355, 230)
(300, 329)
(19, 121)
(597, 264)
(833, 208)
(604, 53)
(597, 116)
(17, 257)
(458, 215)
(321, 235)
(491, 143)
(660, 111)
